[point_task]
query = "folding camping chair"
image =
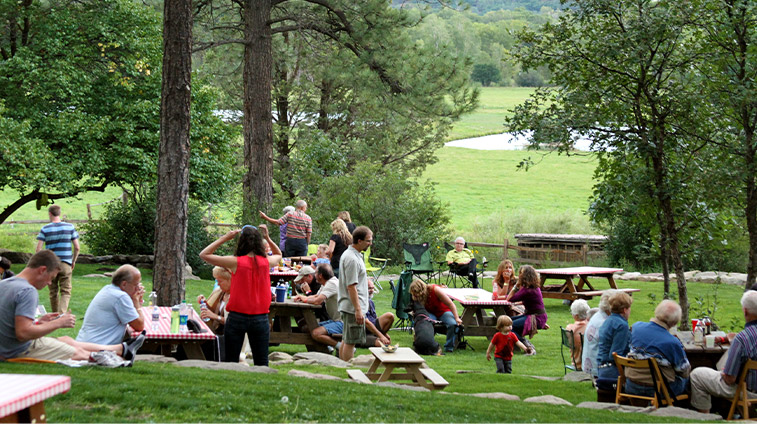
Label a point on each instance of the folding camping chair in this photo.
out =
(401, 299)
(461, 275)
(418, 259)
(375, 271)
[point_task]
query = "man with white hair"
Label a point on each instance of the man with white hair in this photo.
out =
(462, 262)
(707, 382)
(591, 335)
(653, 340)
(299, 227)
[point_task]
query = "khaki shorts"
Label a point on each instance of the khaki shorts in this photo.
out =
(354, 333)
(50, 349)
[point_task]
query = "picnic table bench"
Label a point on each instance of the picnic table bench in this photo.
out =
(583, 289)
(22, 396)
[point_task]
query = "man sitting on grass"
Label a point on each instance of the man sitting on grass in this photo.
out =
(115, 305)
(20, 337)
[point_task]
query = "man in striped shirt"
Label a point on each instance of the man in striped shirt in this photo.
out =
(299, 228)
(707, 382)
(60, 237)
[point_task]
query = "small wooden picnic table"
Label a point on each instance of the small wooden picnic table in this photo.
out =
(165, 341)
(415, 367)
(583, 290)
(475, 302)
(22, 396)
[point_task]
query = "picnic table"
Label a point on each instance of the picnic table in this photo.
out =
(166, 342)
(415, 367)
(22, 396)
(700, 355)
(304, 320)
(583, 290)
(285, 275)
(475, 302)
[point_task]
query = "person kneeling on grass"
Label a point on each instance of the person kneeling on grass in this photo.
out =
(20, 337)
(503, 344)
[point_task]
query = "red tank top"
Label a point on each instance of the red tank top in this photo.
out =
(433, 304)
(250, 286)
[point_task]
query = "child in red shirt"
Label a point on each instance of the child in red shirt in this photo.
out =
(503, 343)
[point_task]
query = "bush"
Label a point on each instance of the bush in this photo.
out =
(130, 230)
(529, 79)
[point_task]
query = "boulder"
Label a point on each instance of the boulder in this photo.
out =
(279, 356)
(305, 362)
(15, 257)
(320, 359)
(155, 358)
(188, 273)
(733, 278)
(550, 399)
(495, 395)
(95, 276)
(687, 414)
(577, 376)
(231, 366)
(403, 386)
(315, 376)
(614, 407)
(628, 276)
(540, 377)
(364, 361)
(706, 277)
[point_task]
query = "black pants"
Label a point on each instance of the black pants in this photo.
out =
(467, 270)
(295, 247)
(257, 330)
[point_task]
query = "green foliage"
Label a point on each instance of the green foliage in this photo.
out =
(130, 229)
(530, 78)
(486, 74)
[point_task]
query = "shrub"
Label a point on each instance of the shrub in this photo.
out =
(130, 229)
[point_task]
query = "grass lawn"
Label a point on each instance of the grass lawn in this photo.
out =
(489, 117)
(165, 393)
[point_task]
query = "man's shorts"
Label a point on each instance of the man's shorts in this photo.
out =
(354, 333)
(49, 348)
(332, 327)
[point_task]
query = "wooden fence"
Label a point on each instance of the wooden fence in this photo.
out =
(538, 256)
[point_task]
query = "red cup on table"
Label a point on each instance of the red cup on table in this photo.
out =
(694, 323)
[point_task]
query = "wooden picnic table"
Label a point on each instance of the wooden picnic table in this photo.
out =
(22, 396)
(583, 289)
(415, 367)
(166, 342)
(700, 355)
(304, 318)
(475, 302)
(286, 275)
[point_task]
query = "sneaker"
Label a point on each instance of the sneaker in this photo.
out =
(130, 349)
(330, 350)
(106, 358)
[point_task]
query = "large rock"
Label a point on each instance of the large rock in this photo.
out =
(15, 257)
(614, 407)
(550, 399)
(155, 358)
(188, 273)
(321, 359)
(231, 366)
(541, 377)
(403, 386)
(279, 356)
(733, 278)
(628, 276)
(95, 276)
(315, 376)
(364, 361)
(688, 414)
(577, 376)
(706, 277)
(496, 395)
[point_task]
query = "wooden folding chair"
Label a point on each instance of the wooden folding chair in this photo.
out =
(662, 396)
(741, 397)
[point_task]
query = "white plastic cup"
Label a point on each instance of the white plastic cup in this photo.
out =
(709, 340)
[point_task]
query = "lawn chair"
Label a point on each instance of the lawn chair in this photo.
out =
(312, 249)
(418, 260)
(568, 341)
(375, 271)
(741, 396)
(662, 395)
(401, 299)
(461, 275)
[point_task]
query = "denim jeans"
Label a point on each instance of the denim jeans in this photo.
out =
(449, 320)
(518, 324)
(295, 247)
(503, 366)
(257, 330)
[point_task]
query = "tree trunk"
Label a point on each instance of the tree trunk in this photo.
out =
(173, 159)
(257, 126)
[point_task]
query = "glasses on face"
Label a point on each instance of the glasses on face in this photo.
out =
(460, 243)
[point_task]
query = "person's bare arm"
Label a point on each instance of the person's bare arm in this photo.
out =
(274, 259)
(379, 335)
(228, 262)
(268, 218)
(489, 351)
(450, 304)
(77, 248)
(728, 379)
(26, 330)
(40, 245)
(330, 250)
(139, 323)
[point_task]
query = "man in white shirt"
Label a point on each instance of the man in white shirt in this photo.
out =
(328, 295)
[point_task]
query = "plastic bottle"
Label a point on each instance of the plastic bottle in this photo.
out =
(203, 306)
(153, 299)
(699, 332)
(183, 315)
(707, 325)
(175, 318)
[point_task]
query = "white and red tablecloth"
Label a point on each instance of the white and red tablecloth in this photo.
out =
(20, 391)
(474, 297)
(580, 270)
(164, 329)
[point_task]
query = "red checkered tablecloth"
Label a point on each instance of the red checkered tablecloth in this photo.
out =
(20, 391)
(164, 331)
(474, 297)
(580, 270)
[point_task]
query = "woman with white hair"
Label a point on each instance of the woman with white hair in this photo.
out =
(580, 311)
(591, 335)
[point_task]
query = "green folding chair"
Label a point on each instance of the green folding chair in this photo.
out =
(374, 270)
(418, 260)
(401, 299)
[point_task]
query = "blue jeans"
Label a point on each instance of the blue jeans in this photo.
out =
(518, 323)
(295, 247)
(677, 387)
(449, 320)
(257, 330)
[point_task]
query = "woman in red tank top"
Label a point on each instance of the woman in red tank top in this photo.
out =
(439, 306)
(250, 296)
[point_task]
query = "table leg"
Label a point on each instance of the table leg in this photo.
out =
(193, 350)
(469, 316)
(612, 282)
(418, 377)
(374, 366)
(584, 281)
(569, 285)
(387, 372)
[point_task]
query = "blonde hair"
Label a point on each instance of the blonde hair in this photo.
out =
(419, 291)
(340, 228)
(504, 321)
(322, 248)
(499, 278)
(344, 216)
(528, 277)
(221, 273)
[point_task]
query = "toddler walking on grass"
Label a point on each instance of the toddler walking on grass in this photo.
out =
(503, 344)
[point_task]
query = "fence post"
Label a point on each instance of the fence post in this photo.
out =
(89, 211)
(585, 254)
(506, 244)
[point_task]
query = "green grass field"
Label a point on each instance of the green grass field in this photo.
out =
(165, 393)
(489, 118)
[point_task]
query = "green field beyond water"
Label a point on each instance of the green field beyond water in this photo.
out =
(489, 118)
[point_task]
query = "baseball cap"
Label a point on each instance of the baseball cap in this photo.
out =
(305, 270)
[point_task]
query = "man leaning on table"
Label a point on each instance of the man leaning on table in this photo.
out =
(21, 337)
(114, 307)
(707, 382)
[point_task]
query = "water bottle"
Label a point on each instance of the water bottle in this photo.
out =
(699, 332)
(153, 299)
(175, 313)
(183, 315)
(203, 306)
(155, 318)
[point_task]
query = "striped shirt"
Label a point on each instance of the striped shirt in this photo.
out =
(299, 225)
(57, 237)
(743, 347)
